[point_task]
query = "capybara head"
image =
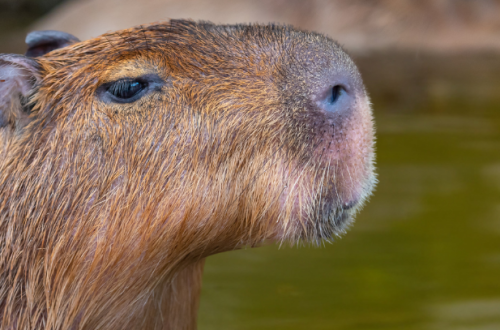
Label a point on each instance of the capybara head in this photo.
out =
(126, 157)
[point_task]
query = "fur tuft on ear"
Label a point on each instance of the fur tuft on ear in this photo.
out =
(18, 77)
(42, 42)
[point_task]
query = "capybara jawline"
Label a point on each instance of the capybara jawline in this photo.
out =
(127, 159)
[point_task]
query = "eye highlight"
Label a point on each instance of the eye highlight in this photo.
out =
(126, 89)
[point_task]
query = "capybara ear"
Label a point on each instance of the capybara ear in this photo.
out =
(18, 77)
(42, 42)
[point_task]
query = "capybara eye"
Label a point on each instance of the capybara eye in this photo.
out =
(337, 90)
(126, 89)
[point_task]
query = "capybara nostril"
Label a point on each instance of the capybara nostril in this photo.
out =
(334, 98)
(127, 159)
(337, 91)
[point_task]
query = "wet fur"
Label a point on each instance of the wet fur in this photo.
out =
(107, 211)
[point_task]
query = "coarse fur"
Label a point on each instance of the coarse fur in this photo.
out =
(107, 210)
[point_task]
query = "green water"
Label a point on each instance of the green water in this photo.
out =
(423, 254)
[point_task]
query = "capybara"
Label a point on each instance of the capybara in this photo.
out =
(127, 159)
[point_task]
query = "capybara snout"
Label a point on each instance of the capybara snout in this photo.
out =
(146, 149)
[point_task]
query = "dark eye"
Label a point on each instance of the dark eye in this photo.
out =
(126, 89)
(129, 89)
(337, 90)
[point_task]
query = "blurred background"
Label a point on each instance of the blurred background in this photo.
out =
(425, 252)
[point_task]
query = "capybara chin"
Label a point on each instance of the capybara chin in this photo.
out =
(127, 159)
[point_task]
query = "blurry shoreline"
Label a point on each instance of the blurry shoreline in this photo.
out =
(424, 55)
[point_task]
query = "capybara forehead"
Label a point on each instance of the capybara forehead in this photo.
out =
(186, 48)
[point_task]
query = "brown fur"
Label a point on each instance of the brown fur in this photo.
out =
(107, 210)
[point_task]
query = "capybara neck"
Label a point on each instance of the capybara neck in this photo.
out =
(127, 159)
